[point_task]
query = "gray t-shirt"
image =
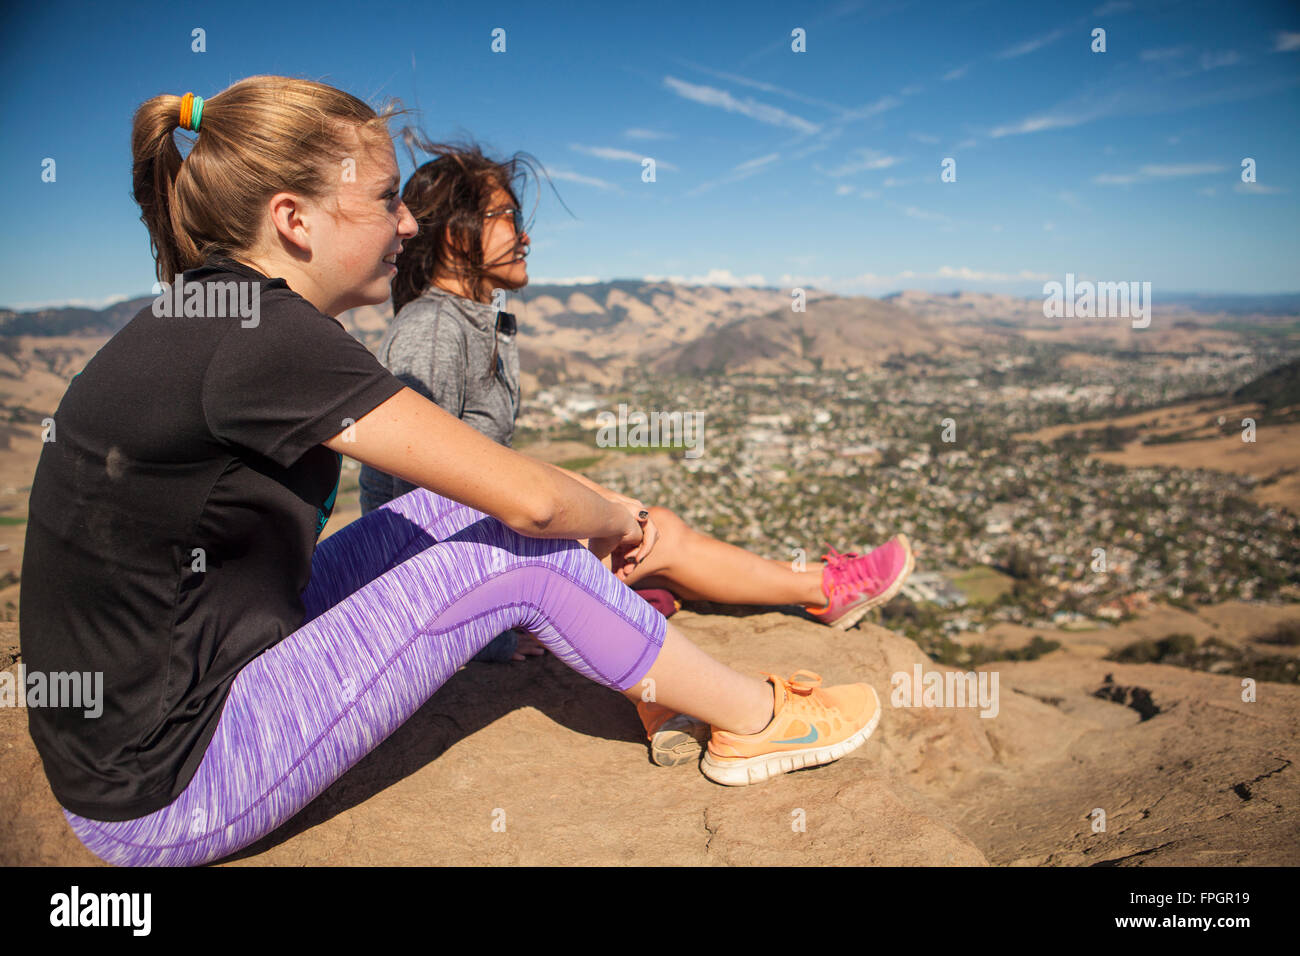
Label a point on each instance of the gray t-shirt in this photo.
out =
(441, 346)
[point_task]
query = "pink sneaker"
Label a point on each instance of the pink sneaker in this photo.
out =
(854, 584)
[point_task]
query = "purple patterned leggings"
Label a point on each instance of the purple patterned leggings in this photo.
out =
(398, 601)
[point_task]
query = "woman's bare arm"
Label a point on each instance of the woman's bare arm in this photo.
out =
(582, 480)
(412, 438)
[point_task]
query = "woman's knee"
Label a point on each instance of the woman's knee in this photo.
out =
(674, 533)
(667, 520)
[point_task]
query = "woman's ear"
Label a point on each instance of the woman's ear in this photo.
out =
(288, 220)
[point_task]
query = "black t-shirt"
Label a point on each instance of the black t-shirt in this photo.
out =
(181, 433)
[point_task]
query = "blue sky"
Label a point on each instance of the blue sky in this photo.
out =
(773, 167)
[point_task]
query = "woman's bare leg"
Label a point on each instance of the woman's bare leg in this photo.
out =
(697, 567)
(685, 679)
(700, 568)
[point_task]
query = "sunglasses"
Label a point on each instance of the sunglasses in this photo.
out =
(516, 214)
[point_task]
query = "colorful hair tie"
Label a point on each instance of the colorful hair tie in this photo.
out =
(191, 111)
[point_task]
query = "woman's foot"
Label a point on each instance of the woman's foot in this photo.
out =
(512, 645)
(528, 646)
(674, 738)
(854, 583)
(810, 726)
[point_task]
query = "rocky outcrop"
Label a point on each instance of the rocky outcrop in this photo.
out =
(1086, 762)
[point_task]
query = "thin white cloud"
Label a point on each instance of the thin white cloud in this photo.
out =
(638, 133)
(1257, 189)
(964, 273)
(956, 74)
(1242, 91)
(1029, 46)
(802, 281)
(1036, 124)
(866, 159)
(1219, 58)
(1142, 100)
(841, 115)
(571, 177)
(886, 102)
(566, 280)
(622, 155)
(925, 138)
(975, 275)
(752, 165)
(718, 277)
(763, 112)
(819, 142)
(768, 88)
(1209, 60)
(809, 150)
(1163, 53)
(606, 152)
(1182, 169)
(925, 214)
(843, 189)
(1286, 42)
(1159, 171)
(740, 171)
(100, 303)
(1073, 112)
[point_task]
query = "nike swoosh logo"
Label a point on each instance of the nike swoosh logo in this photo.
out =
(807, 738)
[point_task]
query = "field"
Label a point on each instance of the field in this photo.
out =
(1272, 456)
(982, 585)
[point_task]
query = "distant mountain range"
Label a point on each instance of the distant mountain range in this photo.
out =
(984, 307)
(832, 333)
(71, 320)
(594, 332)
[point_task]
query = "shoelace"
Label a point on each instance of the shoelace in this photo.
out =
(849, 569)
(803, 688)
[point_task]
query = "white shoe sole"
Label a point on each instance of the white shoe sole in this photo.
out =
(741, 773)
(851, 617)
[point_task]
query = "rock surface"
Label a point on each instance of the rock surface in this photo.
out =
(1184, 770)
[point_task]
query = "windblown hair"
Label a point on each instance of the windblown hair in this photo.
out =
(451, 193)
(261, 136)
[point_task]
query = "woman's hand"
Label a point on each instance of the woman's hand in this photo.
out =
(623, 562)
(625, 543)
(626, 558)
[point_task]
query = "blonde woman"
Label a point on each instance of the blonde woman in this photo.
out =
(172, 539)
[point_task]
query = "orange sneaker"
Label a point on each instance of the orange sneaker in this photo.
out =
(811, 725)
(674, 738)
